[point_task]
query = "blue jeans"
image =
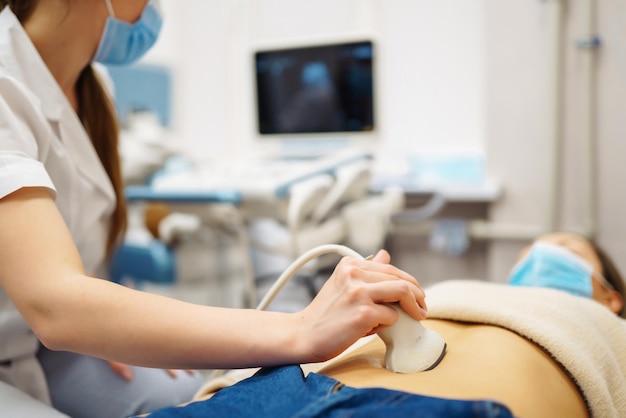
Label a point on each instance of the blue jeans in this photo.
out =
(285, 392)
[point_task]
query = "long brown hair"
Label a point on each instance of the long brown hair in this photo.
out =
(97, 114)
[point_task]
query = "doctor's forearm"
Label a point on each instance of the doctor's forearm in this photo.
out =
(121, 324)
(42, 273)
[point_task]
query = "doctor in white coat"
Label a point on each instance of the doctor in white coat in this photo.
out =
(65, 335)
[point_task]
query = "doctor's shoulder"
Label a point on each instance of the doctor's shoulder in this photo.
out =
(12, 89)
(25, 126)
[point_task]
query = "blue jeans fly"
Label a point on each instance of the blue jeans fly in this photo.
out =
(284, 392)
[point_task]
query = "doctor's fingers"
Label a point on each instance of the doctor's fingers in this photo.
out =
(122, 370)
(381, 256)
(395, 279)
(410, 300)
(353, 268)
(410, 282)
(174, 372)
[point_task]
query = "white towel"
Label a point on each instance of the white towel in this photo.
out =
(581, 334)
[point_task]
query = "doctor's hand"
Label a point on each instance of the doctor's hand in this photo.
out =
(126, 372)
(351, 304)
(122, 370)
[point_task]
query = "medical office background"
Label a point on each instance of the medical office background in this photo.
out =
(536, 87)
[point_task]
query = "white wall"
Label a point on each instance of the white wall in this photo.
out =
(517, 34)
(452, 73)
(195, 44)
(430, 57)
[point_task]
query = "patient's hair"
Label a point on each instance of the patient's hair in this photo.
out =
(611, 273)
(97, 113)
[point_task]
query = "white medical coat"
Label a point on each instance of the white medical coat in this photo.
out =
(43, 143)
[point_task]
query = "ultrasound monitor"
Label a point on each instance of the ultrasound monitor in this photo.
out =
(315, 89)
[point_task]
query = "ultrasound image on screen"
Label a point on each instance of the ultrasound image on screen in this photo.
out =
(318, 89)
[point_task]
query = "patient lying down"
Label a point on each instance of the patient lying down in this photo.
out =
(482, 362)
(534, 348)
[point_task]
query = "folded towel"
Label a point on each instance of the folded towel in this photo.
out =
(587, 339)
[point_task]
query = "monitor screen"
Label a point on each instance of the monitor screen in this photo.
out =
(315, 89)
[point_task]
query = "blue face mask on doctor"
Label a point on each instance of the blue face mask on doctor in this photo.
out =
(552, 266)
(124, 43)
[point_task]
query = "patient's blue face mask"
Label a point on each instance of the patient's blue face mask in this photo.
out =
(123, 42)
(549, 265)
